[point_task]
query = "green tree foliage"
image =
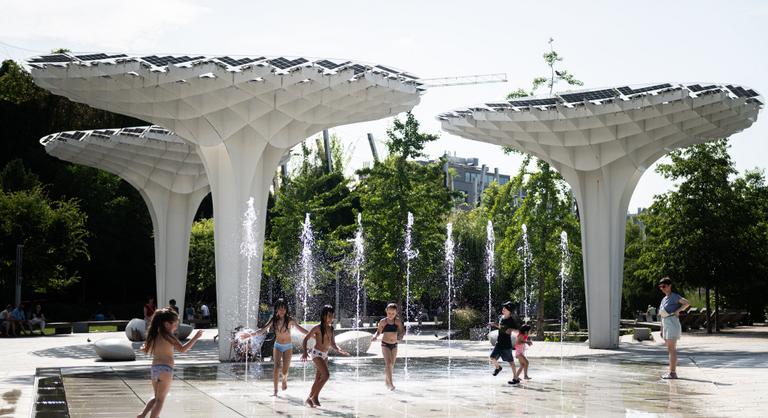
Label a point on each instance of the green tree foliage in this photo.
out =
(387, 192)
(53, 234)
(542, 201)
(326, 196)
(201, 270)
(709, 233)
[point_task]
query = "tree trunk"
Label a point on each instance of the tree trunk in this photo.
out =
(709, 312)
(717, 310)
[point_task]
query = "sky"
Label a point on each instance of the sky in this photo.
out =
(604, 43)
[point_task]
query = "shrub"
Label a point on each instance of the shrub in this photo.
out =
(466, 318)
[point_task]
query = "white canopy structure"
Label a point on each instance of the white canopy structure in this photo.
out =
(602, 141)
(168, 174)
(242, 114)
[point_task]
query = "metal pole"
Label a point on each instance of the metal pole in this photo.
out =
(327, 146)
(373, 147)
(19, 278)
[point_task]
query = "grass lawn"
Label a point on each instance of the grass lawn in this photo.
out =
(92, 328)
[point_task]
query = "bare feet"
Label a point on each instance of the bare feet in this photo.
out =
(310, 403)
(285, 383)
(316, 401)
(526, 378)
(275, 394)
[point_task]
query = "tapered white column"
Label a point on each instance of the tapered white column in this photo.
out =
(234, 180)
(172, 217)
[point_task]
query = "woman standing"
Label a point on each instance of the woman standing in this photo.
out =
(670, 307)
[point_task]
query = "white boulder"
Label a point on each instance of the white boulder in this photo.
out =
(114, 349)
(183, 331)
(348, 341)
(136, 330)
(297, 338)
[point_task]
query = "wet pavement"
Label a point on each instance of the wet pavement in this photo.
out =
(581, 387)
(721, 375)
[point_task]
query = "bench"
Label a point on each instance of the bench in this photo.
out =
(200, 323)
(60, 327)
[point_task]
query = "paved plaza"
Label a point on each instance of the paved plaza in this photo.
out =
(724, 375)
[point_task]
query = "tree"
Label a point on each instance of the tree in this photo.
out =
(201, 271)
(387, 192)
(54, 237)
(697, 233)
(542, 201)
(325, 195)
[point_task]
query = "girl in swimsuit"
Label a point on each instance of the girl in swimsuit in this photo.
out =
(324, 340)
(520, 345)
(160, 343)
(280, 324)
(392, 331)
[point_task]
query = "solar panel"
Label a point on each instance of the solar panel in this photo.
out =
(589, 95)
(105, 133)
(330, 64)
(77, 135)
(52, 58)
(133, 131)
(741, 92)
(100, 56)
(389, 70)
(164, 61)
(159, 131)
(629, 91)
(237, 63)
(357, 68)
(755, 101)
(497, 106)
(283, 63)
(534, 102)
(698, 87)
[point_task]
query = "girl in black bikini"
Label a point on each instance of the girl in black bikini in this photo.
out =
(392, 331)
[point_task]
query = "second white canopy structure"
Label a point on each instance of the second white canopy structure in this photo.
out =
(243, 114)
(602, 141)
(167, 173)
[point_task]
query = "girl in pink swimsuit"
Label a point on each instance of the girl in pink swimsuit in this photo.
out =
(520, 345)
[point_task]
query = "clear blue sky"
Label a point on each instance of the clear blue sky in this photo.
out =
(604, 43)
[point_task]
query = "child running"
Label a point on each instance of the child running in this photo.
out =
(324, 340)
(160, 343)
(280, 324)
(391, 330)
(520, 345)
(503, 347)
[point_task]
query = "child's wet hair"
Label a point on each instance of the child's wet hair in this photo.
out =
(525, 328)
(157, 326)
(391, 306)
(327, 309)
